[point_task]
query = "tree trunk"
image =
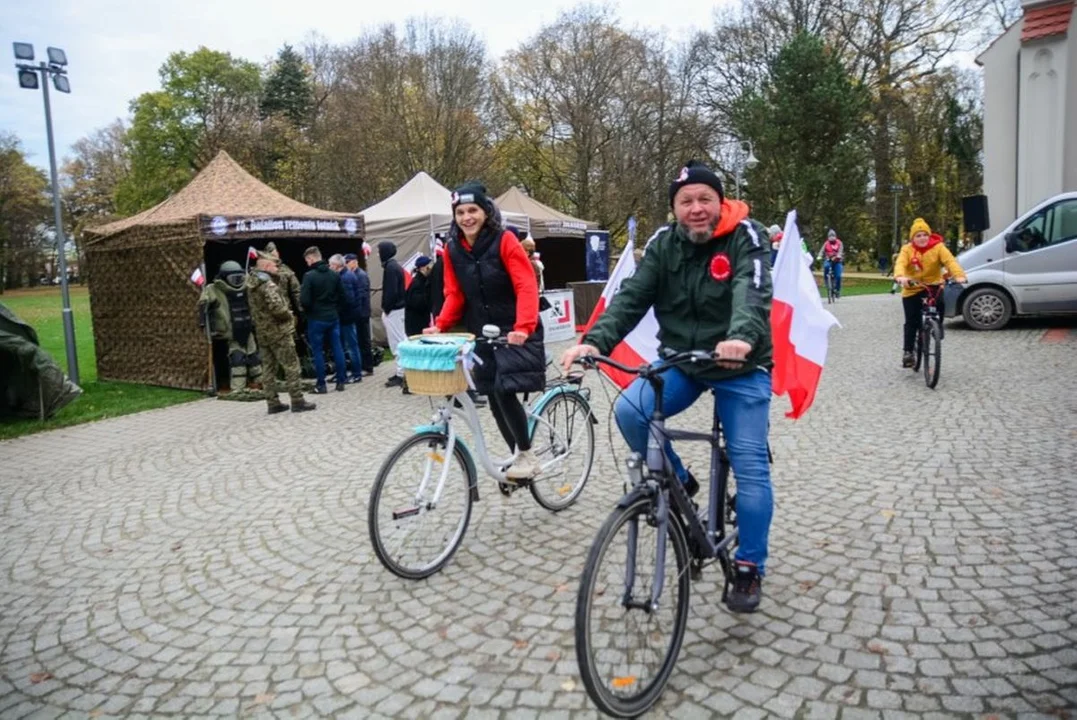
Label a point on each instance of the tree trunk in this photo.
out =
(884, 178)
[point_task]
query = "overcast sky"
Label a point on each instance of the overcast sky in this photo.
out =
(115, 47)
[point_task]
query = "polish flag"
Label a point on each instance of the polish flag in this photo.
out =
(639, 346)
(197, 277)
(409, 269)
(799, 324)
(252, 254)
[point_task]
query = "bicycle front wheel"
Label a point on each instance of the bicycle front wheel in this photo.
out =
(626, 653)
(420, 506)
(932, 352)
(564, 443)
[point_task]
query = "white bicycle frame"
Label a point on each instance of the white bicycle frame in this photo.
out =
(494, 468)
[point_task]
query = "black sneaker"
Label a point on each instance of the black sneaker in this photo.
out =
(404, 388)
(340, 387)
(278, 408)
(321, 390)
(907, 360)
(394, 381)
(747, 588)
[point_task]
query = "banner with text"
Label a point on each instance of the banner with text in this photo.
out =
(221, 227)
(559, 322)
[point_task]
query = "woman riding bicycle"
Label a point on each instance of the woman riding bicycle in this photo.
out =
(489, 281)
(921, 260)
(833, 256)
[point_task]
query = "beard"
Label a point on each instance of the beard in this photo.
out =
(701, 237)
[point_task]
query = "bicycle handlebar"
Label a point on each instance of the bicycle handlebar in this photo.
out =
(659, 366)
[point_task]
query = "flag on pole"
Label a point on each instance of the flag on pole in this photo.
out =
(198, 277)
(641, 344)
(799, 324)
(252, 254)
(409, 269)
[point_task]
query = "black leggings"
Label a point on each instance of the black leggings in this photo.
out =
(914, 307)
(511, 419)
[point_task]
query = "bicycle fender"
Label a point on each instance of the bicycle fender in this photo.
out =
(469, 461)
(632, 496)
(584, 394)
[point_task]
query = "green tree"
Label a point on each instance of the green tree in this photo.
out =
(807, 125)
(288, 89)
(208, 101)
(24, 213)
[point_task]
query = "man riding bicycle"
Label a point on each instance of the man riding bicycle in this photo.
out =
(708, 279)
(921, 261)
(833, 256)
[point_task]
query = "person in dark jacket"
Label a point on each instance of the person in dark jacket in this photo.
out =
(484, 260)
(417, 298)
(322, 295)
(392, 305)
(708, 280)
(362, 311)
(349, 310)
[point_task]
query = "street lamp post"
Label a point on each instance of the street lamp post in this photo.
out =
(55, 70)
(750, 162)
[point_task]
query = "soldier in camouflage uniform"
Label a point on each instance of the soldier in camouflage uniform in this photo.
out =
(276, 330)
(287, 278)
(223, 304)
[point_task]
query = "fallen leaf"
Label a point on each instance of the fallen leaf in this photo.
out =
(443, 633)
(887, 513)
(98, 712)
(568, 685)
(40, 677)
(997, 492)
(807, 585)
(877, 649)
(561, 588)
(264, 698)
(553, 655)
(177, 546)
(520, 644)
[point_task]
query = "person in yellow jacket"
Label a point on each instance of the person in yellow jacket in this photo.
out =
(921, 261)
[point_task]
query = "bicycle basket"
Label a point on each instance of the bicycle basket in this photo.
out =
(432, 363)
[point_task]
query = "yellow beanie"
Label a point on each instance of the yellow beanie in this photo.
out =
(918, 226)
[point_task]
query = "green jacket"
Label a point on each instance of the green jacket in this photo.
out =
(213, 304)
(273, 319)
(701, 294)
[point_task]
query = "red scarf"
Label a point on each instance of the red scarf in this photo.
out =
(917, 260)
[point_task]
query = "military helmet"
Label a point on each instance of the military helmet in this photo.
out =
(232, 273)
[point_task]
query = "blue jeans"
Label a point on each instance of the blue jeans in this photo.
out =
(743, 404)
(350, 338)
(834, 267)
(316, 333)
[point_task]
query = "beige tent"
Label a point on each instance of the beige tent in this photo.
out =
(544, 220)
(409, 218)
(140, 268)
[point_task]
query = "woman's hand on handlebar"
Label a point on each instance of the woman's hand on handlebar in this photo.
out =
(432, 330)
(516, 338)
(736, 350)
(575, 353)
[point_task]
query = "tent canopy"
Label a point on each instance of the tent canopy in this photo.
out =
(141, 296)
(422, 206)
(545, 221)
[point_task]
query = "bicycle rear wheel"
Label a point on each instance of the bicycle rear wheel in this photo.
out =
(564, 435)
(626, 654)
(932, 352)
(413, 536)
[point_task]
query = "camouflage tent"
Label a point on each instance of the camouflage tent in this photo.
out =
(140, 269)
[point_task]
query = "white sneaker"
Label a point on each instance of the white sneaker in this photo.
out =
(524, 467)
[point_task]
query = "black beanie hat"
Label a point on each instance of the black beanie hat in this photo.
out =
(693, 173)
(472, 192)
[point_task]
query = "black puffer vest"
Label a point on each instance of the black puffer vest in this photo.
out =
(241, 315)
(490, 299)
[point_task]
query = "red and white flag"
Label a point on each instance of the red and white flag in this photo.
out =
(639, 346)
(252, 254)
(799, 324)
(409, 269)
(197, 277)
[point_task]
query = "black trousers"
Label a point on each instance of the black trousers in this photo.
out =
(913, 307)
(362, 326)
(511, 419)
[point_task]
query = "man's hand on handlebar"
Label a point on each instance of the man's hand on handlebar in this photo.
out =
(575, 353)
(732, 350)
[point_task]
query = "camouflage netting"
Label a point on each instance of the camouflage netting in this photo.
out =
(141, 297)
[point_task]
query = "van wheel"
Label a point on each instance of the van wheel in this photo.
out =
(987, 309)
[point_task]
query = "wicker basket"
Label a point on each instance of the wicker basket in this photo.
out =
(428, 382)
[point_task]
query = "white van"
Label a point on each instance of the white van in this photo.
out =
(1028, 269)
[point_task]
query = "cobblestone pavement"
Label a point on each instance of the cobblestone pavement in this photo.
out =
(210, 560)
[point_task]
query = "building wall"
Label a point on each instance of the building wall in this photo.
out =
(1000, 63)
(1042, 120)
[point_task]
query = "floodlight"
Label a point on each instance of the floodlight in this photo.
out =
(24, 51)
(57, 56)
(28, 79)
(61, 83)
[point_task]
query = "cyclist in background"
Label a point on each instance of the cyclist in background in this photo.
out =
(921, 260)
(833, 256)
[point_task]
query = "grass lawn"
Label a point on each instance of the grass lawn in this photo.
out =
(858, 285)
(42, 309)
